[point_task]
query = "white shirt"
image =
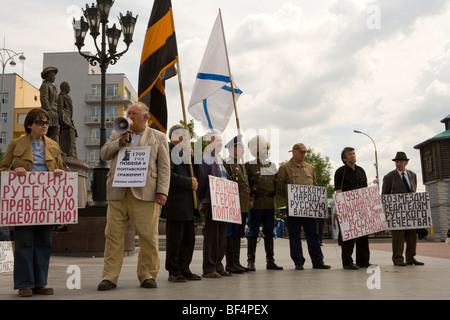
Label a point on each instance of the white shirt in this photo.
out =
(135, 139)
(406, 176)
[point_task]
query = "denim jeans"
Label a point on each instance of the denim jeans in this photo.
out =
(4, 234)
(33, 247)
(312, 239)
(264, 216)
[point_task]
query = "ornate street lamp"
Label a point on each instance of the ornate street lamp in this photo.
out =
(7, 55)
(96, 18)
(376, 156)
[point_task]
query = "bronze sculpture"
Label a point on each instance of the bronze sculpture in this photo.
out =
(49, 95)
(68, 132)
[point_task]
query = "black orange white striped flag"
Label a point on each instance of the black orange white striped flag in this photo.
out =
(158, 58)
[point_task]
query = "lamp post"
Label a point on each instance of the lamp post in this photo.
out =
(96, 18)
(376, 156)
(7, 55)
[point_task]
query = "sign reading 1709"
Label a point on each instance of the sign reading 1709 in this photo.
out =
(38, 198)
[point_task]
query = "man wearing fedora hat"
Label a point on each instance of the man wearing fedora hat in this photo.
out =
(49, 97)
(401, 180)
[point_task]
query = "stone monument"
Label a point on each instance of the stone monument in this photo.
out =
(67, 142)
(68, 132)
(62, 128)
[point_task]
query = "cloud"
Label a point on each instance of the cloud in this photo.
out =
(313, 70)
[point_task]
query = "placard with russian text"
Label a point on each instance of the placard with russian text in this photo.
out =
(38, 198)
(225, 204)
(360, 212)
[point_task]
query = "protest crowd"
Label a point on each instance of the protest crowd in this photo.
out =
(152, 178)
(229, 194)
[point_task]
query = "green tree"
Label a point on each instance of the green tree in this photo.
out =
(322, 167)
(190, 126)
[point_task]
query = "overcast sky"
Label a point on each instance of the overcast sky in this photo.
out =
(311, 71)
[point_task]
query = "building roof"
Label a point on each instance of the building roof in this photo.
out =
(441, 136)
(446, 119)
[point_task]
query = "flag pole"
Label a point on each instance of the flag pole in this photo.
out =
(183, 108)
(231, 80)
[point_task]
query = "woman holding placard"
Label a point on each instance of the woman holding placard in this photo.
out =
(33, 243)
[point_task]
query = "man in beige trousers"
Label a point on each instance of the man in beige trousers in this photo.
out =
(140, 204)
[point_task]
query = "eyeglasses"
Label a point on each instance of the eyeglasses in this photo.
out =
(42, 122)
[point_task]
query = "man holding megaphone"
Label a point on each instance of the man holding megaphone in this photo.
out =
(123, 125)
(140, 204)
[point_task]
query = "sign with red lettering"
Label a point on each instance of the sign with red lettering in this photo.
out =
(38, 198)
(360, 212)
(225, 203)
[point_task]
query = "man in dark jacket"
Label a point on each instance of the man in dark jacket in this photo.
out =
(237, 173)
(401, 180)
(351, 177)
(179, 209)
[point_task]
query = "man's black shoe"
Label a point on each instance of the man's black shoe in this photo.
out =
(105, 285)
(149, 283)
(321, 266)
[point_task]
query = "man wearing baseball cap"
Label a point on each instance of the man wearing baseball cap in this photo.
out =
(297, 171)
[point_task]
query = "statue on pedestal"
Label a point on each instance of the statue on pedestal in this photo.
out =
(62, 128)
(68, 132)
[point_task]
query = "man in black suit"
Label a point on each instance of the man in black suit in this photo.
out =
(401, 180)
(179, 209)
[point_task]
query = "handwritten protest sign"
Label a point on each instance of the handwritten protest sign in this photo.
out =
(307, 201)
(407, 210)
(132, 166)
(6, 256)
(39, 198)
(225, 203)
(360, 212)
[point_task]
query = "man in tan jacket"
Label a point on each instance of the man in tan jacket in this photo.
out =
(299, 172)
(140, 204)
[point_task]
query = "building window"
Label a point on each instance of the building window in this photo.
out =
(3, 137)
(95, 133)
(112, 90)
(5, 97)
(96, 90)
(21, 118)
(429, 164)
(111, 112)
(4, 117)
(127, 94)
(94, 155)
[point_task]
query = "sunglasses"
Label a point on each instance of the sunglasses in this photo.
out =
(42, 122)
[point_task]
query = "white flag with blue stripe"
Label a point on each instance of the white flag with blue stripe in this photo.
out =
(211, 100)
